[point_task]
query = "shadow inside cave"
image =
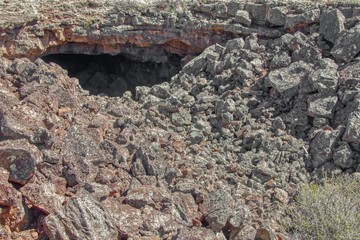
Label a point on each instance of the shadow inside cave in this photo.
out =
(114, 75)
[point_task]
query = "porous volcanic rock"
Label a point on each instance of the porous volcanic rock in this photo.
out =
(267, 99)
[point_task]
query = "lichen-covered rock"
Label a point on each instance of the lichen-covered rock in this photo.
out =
(332, 24)
(44, 197)
(13, 214)
(20, 158)
(322, 106)
(352, 132)
(82, 217)
(346, 46)
(242, 17)
(321, 146)
(287, 80)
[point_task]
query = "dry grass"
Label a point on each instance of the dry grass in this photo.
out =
(330, 211)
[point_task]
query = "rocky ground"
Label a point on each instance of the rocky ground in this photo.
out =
(218, 152)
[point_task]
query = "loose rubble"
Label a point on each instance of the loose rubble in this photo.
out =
(218, 152)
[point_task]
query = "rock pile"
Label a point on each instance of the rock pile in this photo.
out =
(216, 153)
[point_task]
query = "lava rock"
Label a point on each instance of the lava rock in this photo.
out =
(331, 24)
(287, 80)
(277, 16)
(322, 106)
(82, 217)
(243, 17)
(346, 45)
(321, 146)
(43, 197)
(352, 132)
(20, 158)
(343, 156)
(307, 18)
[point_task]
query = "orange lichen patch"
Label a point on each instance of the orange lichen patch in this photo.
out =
(177, 46)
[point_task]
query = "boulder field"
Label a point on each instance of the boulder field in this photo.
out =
(266, 99)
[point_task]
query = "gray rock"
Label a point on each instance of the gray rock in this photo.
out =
(309, 17)
(280, 60)
(331, 24)
(251, 42)
(263, 173)
(352, 132)
(278, 123)
(234, 44)
(324, 80)
(223, 106)
(343, 156)
(243, 17)
(321, 106)
(265, 233)
(347, 45)
(82, 217)
(220, 10)
(257, 12)
(161, 91)
(219, 207)
(185, 207)
(286, 80)
(321, 146)
(181, 119)
(20, 158)
(234, 6)
(195, 136)
(304, 49)
(196, 65)
(195, 234)
(277, 16)
(152, 196)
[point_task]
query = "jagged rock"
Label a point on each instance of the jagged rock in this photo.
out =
(263, 173)
(352, 132)
(147, 195)
(321, 106)
(196, 234)
(13, 213)
(82, 217)
(321, 147)
(278, 124)
(219, 209)
(242, 17)
(346, 46)
(280, 60)
(185, 207)
(43, 197)
(343, 156)
(287, 80)
(277, 16)
(265, 233)
(295, 20)
(324, 80)
(257, 12)
(332, 24)
(20, 158)
(126, 218)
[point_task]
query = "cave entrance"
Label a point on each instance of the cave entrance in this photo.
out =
(113, 75)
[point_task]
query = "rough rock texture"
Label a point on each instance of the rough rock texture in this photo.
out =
(270, 101)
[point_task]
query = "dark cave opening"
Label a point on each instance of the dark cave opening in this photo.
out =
(113, 75)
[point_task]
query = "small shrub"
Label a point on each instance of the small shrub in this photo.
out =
(328, 211)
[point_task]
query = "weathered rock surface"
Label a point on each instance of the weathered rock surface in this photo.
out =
(267, 99)
(81, 218)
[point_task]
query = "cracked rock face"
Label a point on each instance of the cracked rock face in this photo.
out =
(262, 98)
